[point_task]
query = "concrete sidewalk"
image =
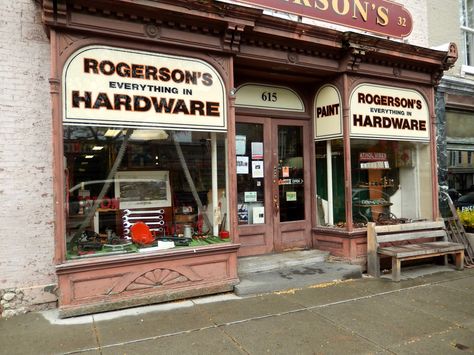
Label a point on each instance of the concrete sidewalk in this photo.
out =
(433, 314)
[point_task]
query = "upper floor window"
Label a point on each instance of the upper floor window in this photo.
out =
(467, 27)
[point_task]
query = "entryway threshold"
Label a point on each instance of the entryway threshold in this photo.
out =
(290, 270)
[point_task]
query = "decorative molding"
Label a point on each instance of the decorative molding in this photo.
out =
(293, 58)
(54, 12)
(436, 77)
(220, 61)
(451, 56)
(66, 40)
(156, 278)
(54, 85)
(233, 36)
(397, 72)
(152, 30)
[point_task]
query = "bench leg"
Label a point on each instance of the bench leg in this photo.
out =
(460, 260)
(445, 260)
(396, 265)
(373, 265)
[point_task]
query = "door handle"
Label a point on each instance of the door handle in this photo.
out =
(276, 205)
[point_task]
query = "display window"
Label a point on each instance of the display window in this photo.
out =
(140, 190)
(330, 183)
(391, 181)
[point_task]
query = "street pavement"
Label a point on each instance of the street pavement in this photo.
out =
(431, 314)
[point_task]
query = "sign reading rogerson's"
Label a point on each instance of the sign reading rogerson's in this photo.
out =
(378, 16)
(388, 112)
(108, 86)
(327, 113)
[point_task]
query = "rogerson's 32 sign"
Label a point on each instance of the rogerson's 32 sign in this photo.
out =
(378, 16)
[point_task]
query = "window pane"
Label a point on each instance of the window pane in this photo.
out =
(461, 174)
(324, 216)
(117, 178)
(469, 37)
(470, 13)
(250, 165)
(391, 181)
(291, 173)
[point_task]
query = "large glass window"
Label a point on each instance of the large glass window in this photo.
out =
(330, 183)
(391, 181)
(467, 26)
(135, 190)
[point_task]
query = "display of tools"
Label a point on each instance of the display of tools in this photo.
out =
(128, 212)
(160, 216)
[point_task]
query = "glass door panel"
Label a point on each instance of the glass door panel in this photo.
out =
(291, 173)
(250, 173)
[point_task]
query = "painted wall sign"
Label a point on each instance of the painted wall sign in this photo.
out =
(327, 113)
(268, 97)
(108, 86)
(378, 16)
(387, 112)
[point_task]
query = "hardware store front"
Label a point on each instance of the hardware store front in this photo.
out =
(188, 134)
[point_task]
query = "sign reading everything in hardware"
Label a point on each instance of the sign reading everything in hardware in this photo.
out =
(113, 86)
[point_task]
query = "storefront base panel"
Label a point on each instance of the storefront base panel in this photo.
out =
(351, 246)
(92, 286)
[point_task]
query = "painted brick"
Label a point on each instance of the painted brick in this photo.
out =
(26, 201)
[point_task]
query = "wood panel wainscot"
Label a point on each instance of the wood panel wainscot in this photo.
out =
(351, 246)
(104, 284)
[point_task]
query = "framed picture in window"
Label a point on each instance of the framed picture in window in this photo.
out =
(143, 189)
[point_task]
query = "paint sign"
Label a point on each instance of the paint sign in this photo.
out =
(383, 17)
(268, 97)
(380, 112)
(107, 86)
(327, 113)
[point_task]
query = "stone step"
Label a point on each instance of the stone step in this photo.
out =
(269, 262)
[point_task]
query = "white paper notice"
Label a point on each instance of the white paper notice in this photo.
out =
(257, 150)
(250, 196)
(242, 165)
(240, 142)
(257, 169)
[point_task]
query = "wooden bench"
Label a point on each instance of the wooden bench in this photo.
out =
(429, 239)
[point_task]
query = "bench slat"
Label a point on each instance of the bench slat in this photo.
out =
(410, 250)
(385, 238)
(409, 227)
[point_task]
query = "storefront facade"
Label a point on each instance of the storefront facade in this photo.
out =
(229, 133)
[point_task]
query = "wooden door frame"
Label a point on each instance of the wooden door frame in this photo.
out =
(294, 226)
(255, 232)
(270, 231)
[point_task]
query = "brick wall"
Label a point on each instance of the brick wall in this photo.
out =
(26, 200)
(418, 11)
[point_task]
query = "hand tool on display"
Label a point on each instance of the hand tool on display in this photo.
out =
(160, 216)
(128, 212)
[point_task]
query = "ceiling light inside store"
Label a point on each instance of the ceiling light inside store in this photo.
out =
(98, 147)
(112, 133)
(149, 134)
(89, 156)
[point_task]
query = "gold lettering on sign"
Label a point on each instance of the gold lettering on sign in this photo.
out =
(322, 5)
(382, 16)
(345, 9)
(362, 11)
